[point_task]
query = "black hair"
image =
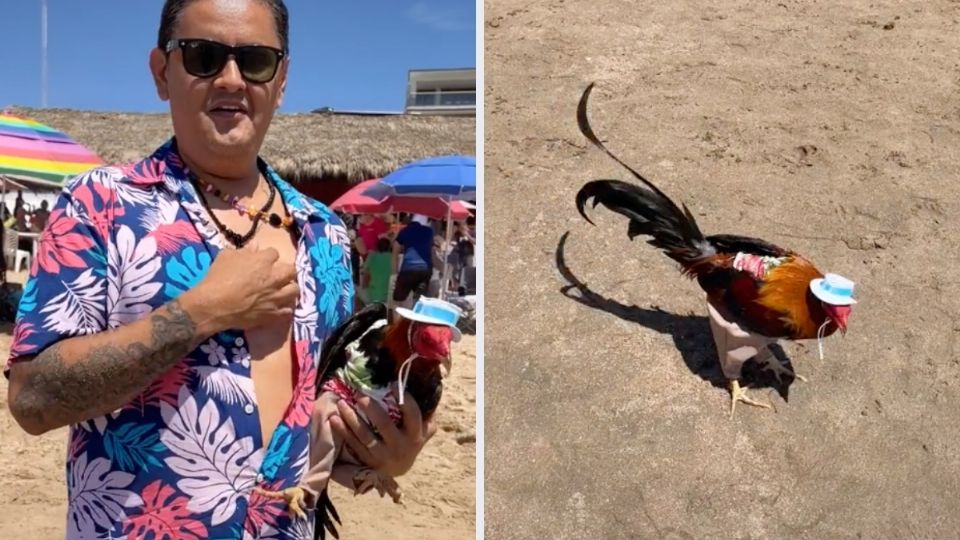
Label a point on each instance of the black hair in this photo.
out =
(383, 245)
(173, 8)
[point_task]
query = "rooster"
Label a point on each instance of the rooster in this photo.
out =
(769, 292)
(364, 356)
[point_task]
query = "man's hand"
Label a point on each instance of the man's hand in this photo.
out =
(394, 453)
(246, 288)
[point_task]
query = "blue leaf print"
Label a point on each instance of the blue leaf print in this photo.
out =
(132, 447)
(98, 262)
(28, 301)
(278, 453)
(185, 275)
(332, 271)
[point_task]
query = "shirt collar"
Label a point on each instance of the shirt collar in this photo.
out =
(166, 167)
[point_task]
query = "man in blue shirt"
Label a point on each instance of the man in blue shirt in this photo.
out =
(415, 242)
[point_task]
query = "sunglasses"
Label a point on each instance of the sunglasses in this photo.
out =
(204, 58)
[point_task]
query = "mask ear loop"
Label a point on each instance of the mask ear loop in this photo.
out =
(404, 371)
(820, 333)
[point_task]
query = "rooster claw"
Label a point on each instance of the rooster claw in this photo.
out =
(294, 498)
(740, 394)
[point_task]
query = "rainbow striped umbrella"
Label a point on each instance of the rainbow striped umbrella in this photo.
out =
(36, 153)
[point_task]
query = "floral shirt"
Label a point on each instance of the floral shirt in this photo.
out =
(181, 460)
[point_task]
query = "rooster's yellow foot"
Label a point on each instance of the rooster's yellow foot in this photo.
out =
(740, 394)
(293, 496)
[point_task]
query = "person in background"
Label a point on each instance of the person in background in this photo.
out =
(395, 224)
(462, 252)
(415, 243)
(40, 216)
(20, 219)
(375, 275)
(370, 229)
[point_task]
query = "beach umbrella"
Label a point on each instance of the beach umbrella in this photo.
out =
(448, 177)
(34, 154)
(355, 202)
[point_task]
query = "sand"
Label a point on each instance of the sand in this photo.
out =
(832, 128)
(439, 492)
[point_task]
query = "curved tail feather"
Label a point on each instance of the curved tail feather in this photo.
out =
(650, 211)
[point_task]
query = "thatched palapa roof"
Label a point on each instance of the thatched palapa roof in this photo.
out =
(304, 146)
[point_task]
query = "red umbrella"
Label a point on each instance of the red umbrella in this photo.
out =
(354, 202)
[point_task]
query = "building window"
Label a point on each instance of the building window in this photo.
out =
(466, 98)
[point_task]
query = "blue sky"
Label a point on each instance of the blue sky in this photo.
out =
(345, 55)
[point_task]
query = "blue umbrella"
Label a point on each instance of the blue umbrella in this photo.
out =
(450, 177)
(447, 177)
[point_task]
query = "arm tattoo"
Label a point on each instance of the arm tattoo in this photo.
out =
(59, 391)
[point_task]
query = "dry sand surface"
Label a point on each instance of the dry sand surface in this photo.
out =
(439, 492)
(832, 128)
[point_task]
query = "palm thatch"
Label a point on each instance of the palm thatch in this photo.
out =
(301, 147)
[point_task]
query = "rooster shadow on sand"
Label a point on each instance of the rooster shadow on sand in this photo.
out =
(691, 333)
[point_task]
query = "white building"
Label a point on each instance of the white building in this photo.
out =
(442, 92)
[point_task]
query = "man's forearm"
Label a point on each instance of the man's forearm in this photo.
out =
(89, 376)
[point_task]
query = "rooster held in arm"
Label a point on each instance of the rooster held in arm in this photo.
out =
(757, 292)
(364, 356)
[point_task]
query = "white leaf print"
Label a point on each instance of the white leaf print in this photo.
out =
(337, 234)
(305, 315)
(79, 308)
(215, 467)
(300, 529)
(130, 270)
(112, 178)
(302, 464)
(226, 385)
(161, 212)
(266, 532)
(134, 195)
(97, 497)
(199, 215)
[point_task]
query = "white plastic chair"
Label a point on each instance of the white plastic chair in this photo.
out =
(15, 256)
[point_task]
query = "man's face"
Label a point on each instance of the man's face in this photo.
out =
(206, 132)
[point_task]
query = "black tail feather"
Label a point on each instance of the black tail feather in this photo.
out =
(322, 522)
(650, 211)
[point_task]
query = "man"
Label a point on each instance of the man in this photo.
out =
(40, 216)
(415, 242)
(173, 334)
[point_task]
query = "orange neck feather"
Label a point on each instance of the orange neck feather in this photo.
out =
(786, 289)
(396, 340)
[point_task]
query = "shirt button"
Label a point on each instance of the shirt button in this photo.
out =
(245, 362)
(239, 341)
(248, 408)
(260, 478)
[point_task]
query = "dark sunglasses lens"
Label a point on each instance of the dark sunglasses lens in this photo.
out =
(258, 64)
(203, 59)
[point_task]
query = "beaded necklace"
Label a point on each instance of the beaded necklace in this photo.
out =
(255, 215)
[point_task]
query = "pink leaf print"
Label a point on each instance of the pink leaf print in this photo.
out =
(263, 510)
(99, 204)
(165, 517)
(21, 334)
(301, 408)
(148, 171)
(163, 390)
(59, 246)
(77, 441)
(170, 237)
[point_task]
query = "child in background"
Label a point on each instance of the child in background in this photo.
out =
(376, 274)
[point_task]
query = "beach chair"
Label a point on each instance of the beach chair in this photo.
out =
(14, 256)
